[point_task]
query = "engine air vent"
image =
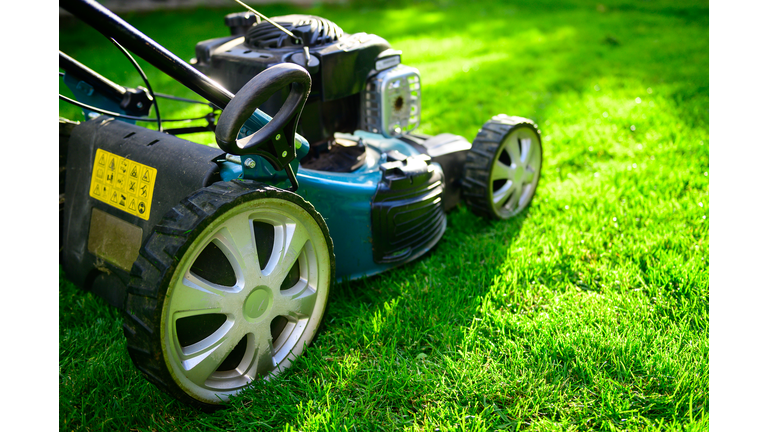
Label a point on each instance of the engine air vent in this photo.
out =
(319, 31)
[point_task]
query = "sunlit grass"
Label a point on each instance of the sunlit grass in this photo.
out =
(589, 311)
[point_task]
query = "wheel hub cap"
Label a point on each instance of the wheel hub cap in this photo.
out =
(258, 302)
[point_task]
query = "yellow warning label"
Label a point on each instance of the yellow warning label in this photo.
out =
(123, 184)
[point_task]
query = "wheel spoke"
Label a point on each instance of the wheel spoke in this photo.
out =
(298, 305)
(501, 171)
(192, 293)
(525, 194)
(203, 358)
(304, 303)
(533, 158)
(262, 360)
(235, 239)
(525, 144)
(265, 360)
(528, 176)
(513, 147)
(293, 238)
(515, 199)
(501, 195)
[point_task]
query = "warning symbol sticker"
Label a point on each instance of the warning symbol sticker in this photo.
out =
(131, 193)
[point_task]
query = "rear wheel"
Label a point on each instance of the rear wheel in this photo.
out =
(229, 288)
(503, 167)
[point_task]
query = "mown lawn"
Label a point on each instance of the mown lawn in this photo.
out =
(588, 311)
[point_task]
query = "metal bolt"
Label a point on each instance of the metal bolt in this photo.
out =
(139, 105)
(285, 153)
(277, 137)
(250, 163)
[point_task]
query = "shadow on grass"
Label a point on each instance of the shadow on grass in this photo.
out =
(421, 310)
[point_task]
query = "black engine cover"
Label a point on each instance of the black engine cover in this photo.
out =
(340, 65)
(407, 216)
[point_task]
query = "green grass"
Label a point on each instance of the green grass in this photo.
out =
(589, 311)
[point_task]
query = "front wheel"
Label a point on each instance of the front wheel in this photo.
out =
(503, 167)
(229, 288)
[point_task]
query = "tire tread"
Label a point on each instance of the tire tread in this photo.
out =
(475, 179)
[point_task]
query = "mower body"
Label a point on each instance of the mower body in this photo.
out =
(222, 270)
(385, 210)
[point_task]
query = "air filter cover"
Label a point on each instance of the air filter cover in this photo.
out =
(392, 102)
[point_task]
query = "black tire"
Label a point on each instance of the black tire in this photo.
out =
(503, 167)
(201, 330)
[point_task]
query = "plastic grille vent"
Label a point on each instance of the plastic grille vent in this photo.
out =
(407, 211)
(320, 31)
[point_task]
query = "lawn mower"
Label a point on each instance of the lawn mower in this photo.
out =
(222, 258)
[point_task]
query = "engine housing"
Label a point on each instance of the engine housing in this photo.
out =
(355, 78)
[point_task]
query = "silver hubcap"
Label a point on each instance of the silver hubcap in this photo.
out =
(226, 326)
(515, 172)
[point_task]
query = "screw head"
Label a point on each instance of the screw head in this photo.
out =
(285, 153)
(277, 137)
(250, 163)
(140, 105)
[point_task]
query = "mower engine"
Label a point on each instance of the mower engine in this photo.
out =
(358, 82)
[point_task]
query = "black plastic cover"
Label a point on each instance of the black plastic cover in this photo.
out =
(345, 63)
(182, 168)
(450, 151)
(312, 30)
(240, 22)
(406, 212)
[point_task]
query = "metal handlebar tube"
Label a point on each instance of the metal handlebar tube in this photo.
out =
(83, 73)
(112, 26)
(128, 99)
